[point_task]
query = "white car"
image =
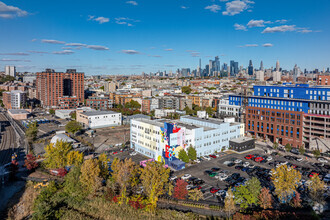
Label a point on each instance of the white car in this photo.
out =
(173, 178)
(133, 153)
(246, 164)
(299, 159)
(227, 162)
(238, 161)
(269, 158)
(197, 161)
(186, 176)
(278, 165)
(251, 166)
(284, 162)
(188, 187)
(221, 177)
(322, 160)
(207, 157)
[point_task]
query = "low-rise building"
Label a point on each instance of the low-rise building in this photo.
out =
(18, 114)
(242, 144)
(63, 113)
(99, 119)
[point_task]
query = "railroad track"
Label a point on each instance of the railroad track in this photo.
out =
(7, 143)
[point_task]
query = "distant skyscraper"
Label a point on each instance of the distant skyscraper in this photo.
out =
(296, 73)
(250, 68)
(277, 65)
(261, 66)
(10, 70)
(233, 68)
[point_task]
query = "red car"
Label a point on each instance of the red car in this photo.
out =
(214, 190)
(115, 152)
(249, 157)
(213, 156)
(258, 159)
(312, 174)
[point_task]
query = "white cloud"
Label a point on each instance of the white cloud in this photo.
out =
(169, 49)
(34, 51)
(257, 23)
(250, 45)
(97, 47)
(7, 11)
(267, 45)
(214, 8)
(131, 52)
(237, 6)
(14, 60)
(240, 27)
(132, 2)
(76, 44)
(184, 7)
(101, 20)
(125, 21)
(282, 21)
(15, 54)
(63, 52)
(52, 41)
(282, 28)
(157, 56)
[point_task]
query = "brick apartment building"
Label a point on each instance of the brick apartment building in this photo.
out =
(323, 80)
(98, 102)
(59, 89)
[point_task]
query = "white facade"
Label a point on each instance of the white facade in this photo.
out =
(226, 109)
(202, 114)
(277, 76)
(10, 70)
(260, 75)
(160, 113)
(63, 114)
(17, 99)
(100, 119)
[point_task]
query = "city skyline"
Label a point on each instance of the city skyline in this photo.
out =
(130, 37)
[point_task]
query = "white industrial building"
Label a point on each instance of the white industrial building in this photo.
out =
(99, 119)
(63, 113)
(17, 99)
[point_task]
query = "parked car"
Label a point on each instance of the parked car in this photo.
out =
(246, 164)
(235, 176)
(221, 177)
(213, 156)
(133, 153)
(258, 159)
(294, 151)
(172, 178)
(207, 157)
(322, 160)
(214, 169)
(299, 159)
(221, 193)
(239, 167)
(189, 187)
(214, 190)
(199, 181)
(269, 158)
(238, 161)
(212, 174)
(197, 161)
(185, 176)
(249, 157)
(208, 172)
(231, 164)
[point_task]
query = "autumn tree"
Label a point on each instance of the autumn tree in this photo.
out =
(72, 127)
(125, 175)
(74, 158)
(302, 150)
(265, 198)
(90, 175)
(186, 89)
(192, 154)
(195, 194)
(316, 188)
(154, 177)
(285, 181)
(229, 207)
(170, 189)
(316, 153)
(288, 147)
(248, 194)
(30, 162)
(56, 154)
(31, 132)
(103, 163)
(183, 156)
(180, 190)
(275, 145)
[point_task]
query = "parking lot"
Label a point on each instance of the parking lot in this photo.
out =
(258, 169)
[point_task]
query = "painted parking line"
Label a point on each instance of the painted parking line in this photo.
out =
(208, 197)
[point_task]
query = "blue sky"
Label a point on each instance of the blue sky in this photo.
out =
(128, 37)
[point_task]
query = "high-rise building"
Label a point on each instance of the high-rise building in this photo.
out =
(277, 66)
(250, 68)
(233, 68)
(261, 66)
(56, 87)
(296, 73)
(15, 99)
(10, 70)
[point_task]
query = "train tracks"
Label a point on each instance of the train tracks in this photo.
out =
(7, 142)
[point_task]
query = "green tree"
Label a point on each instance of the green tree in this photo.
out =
(183, 156)
(209, 110)
(288, 147)
(285, 181)
(72, 185)
(56, 155)
(186, 89)
(102, 88)
(52, 111)
(188, 111)
(73, 127)
(302, 150)
(316, 153)
(32, 132)
(229, 207)
(195, 195)
(134, 105)
(248, 194)
(275, 146)
(154, 177)
(73, 115)
(192, 154)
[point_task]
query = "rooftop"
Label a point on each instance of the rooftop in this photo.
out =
(96, 113)
(241, 139)
(18, 111)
